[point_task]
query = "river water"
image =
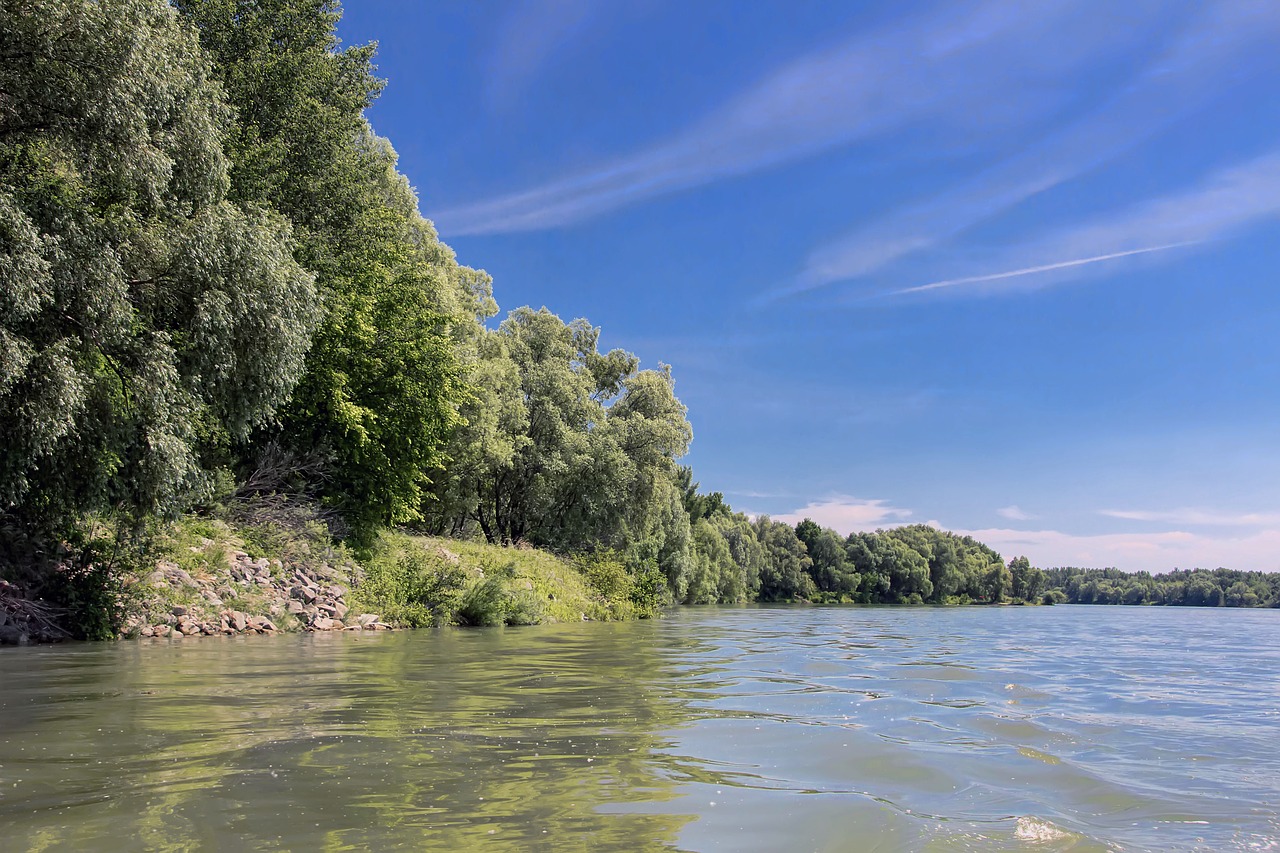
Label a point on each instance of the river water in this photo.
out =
(737, 729)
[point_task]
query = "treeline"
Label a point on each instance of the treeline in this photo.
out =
(1189, 588)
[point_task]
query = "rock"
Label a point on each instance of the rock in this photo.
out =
(336, 591)
(339, 610)
(239, 555)
(156, 578)
(303, 593)
(295, 607)
(175, 575)
(322, 623)
(238, 620)
(262, 564)
(276, 610)
(367, 618)
(12, 635)
(179, 611)
(212, 597)
(148, 631)
(261, 623)
(161, 630)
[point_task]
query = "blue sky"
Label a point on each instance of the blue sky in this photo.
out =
(1006, 268)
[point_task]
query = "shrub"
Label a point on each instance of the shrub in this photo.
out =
(407, 586)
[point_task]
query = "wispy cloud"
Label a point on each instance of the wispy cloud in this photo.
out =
(965, 70)
(1225, 42)
(1190, 516)
(527, 38)
(1153, 552)
(751, 493)
(1014, 513)
(846, 514)
(1230, 200)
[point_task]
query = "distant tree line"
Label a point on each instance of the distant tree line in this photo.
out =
(1189, 588)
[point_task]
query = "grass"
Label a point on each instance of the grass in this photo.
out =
(418, 581)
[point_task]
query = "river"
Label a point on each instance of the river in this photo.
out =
(737, 729)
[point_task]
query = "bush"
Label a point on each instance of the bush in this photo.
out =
(493, 602)
(407, 586)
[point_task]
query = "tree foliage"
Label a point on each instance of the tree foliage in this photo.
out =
(385, 375)
(1196, 588)
(148, 320)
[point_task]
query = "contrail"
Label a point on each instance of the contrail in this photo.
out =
(1079, 262)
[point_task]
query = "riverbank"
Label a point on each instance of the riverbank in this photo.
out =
(275, 568)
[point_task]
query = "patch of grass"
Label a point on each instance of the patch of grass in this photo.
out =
(416, 580)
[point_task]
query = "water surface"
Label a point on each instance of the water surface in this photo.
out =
(1066, 728)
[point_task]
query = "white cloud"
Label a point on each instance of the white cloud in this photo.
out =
(1154, 552)
(967, 70)
(1223, 43)
(1253, 549)
(846, 514)
(1014, 513)
(1190, 516)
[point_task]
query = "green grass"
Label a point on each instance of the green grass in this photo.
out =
(417, 581)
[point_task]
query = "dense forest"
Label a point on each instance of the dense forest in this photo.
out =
(1198, 588)
(215, 285)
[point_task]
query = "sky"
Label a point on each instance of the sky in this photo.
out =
(1004, 268)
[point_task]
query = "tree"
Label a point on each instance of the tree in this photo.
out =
(147, 319)
(784, 572)
(1027, 582)
(387, 373)
(826, 552)
(570, 448)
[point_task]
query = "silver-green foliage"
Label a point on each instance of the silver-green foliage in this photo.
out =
(569, 448)
(145, 321)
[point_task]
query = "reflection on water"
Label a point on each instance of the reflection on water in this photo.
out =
(731, 729)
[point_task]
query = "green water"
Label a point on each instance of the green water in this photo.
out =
(716, 729)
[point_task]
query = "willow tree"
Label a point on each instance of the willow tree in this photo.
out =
(387, 371)
(568, 447)
(146, 318)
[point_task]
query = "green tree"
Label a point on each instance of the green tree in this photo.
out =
(784, 572)
(829, 569)
(1027, 581)
(147, 319)
(387, 372)
(570, 448)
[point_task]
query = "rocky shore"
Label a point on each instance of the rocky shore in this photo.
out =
(251, 596)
